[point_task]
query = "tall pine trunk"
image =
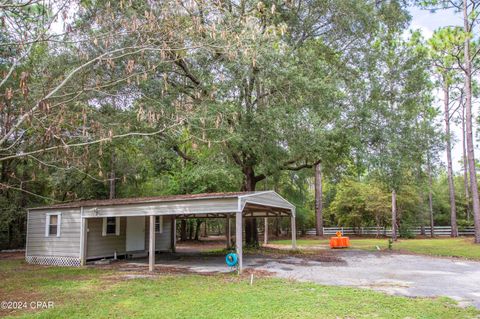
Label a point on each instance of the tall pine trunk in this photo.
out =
(112, 176)
(465, 167)
(451, 185)
(430, 199)
(318, 200)
(468, 115)
(394, 215)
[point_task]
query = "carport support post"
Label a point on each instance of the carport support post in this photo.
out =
(294, 232)
(151, 246)
(173, 233)
(83, 241)
(239, 239)
(265, 232)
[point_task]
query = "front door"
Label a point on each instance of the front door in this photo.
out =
(135, 233)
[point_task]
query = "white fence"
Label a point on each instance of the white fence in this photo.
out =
(382, 231)
(371, 231)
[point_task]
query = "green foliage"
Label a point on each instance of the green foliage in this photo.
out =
(405, 230)
(251, 96)
(360, 204)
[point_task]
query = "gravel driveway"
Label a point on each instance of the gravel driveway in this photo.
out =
(394, 273)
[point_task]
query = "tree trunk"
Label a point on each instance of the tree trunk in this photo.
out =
(468, 114)
(430, 199)
(318, 200)
(252, 232)
(277, 227)
(190, 229)
(430, 206)
(112, 176)
(465, 168)
(198, 229)
(183, 230)
(451, 186)
(422, 217)
(251, 229)
(394, 215)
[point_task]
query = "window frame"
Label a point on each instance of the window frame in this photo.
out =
(159, 223)
(47, 224)
(111, 228)
(104, 226)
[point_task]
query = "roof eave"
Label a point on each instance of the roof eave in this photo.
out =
(133, 203)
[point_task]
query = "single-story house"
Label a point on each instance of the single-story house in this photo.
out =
(69, 234)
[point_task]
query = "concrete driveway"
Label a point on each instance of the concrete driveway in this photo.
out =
(394, 273)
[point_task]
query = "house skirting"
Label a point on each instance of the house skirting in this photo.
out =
(53, 261)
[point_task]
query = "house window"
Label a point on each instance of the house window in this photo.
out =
(158, 224)
(52, 225)
(111, 226)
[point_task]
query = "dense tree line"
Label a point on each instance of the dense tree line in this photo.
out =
(104, 99)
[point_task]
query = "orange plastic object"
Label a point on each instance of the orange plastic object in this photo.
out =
(339, 242)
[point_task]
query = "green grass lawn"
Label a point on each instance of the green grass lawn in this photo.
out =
(94, 293)
(453, 247)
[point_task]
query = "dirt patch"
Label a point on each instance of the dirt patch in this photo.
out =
(171, 270)
(12, 255)
(247, 272)
(306, 255)
(124, 269)
(323, 257)
(206, 244)
(128, 270)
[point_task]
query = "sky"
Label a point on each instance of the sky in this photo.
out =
(427, 22)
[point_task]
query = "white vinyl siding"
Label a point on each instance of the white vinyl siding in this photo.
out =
(162, 240)
(99, 245)
(66, 244)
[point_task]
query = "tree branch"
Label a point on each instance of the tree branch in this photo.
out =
(5, 186)
(183, 155)
(299, 167)
(105, 139)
